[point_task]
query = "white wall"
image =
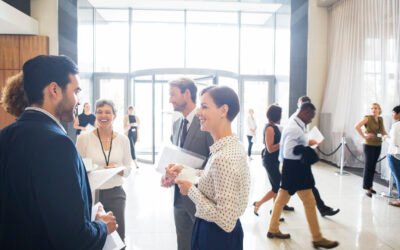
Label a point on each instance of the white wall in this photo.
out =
(13, 21)
(317, 64)
(46, 13)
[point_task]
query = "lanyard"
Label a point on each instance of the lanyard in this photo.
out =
(107, 159)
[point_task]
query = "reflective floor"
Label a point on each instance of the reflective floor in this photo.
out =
(363, 223)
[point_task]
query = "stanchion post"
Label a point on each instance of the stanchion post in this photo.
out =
(342, 172)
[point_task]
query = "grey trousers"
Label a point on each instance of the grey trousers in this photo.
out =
(114, 200)
(184, 221)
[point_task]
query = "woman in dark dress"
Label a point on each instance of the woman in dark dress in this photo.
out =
(84, 119)
(131, 125)
(270, 154)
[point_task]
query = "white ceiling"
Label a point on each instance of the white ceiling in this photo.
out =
(188, 5)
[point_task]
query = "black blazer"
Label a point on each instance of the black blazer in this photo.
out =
(45, 198)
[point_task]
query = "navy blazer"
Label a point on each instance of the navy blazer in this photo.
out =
(45, 198)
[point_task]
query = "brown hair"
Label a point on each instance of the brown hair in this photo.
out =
(222, 95)
(13, 98)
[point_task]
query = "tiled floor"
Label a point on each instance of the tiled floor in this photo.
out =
(363, 223)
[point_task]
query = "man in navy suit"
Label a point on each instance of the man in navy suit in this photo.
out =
(45, 198)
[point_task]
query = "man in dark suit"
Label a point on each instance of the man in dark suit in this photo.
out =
(45, 198)
(187, 135)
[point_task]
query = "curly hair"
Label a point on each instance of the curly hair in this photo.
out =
(13, 98)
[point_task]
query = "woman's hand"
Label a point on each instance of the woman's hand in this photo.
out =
(173, 170)
(184, 186)
(369, 136)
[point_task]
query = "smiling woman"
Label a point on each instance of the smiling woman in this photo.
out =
(108, 149)
(222, 192)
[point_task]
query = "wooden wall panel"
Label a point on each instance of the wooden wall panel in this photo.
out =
(9, 52)
(5, 118)
(31, 46)
(14, 51)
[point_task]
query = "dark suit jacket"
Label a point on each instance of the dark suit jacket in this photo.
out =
(45, 198)
(196, 141)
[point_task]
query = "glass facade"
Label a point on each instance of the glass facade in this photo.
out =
(128, 55)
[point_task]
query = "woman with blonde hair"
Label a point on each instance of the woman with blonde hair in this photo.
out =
(373, 133)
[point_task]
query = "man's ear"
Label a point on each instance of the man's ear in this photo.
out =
(53, 89)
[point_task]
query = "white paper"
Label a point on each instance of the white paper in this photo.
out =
(316, 135)
(113, 241)
(88, 129)
(189, 174)
(172, 154)
(99, 177)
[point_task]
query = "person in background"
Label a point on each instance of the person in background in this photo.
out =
(323, 209)
(251, 131)
(131, 126)
(297, 177)
(84, 119)
(270, 156)
(374, 131)
(108, 149)
(221, 195)
(45, 197)
(186, 134)
(394, 152)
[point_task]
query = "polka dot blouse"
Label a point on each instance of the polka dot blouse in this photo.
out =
(223, 189)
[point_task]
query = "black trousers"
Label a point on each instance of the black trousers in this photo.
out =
(320, 203)
(250, 139)
(371, 154)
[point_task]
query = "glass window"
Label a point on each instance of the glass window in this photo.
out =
(257, 44)
(85, 40)
(282, 45)
(212, 45)
(86, 93)
(157, 39)
(112, 38)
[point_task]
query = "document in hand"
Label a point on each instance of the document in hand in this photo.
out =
(113, 241)
(173, 154)
(99, 177)
(316, 135)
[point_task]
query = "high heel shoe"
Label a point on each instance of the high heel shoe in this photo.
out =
(255, 210)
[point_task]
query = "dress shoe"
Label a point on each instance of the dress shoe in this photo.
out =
(395, 203)
(324, 243)
(369, 194)
(329, 212)
(372, 191)
(288, 208)
(278, 235)
(255, 210)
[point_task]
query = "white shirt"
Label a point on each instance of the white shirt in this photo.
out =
(251, 124)
(293, 134)
(89, 146)
(394, 140)
(223, 189)
(49, 115)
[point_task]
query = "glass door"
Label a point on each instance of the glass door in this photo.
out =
(112, 88)
(258, 94)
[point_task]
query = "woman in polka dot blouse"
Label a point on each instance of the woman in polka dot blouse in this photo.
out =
(221, 195)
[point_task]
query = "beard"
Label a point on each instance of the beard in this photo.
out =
(65, 110)
(180, 107)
